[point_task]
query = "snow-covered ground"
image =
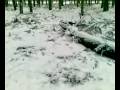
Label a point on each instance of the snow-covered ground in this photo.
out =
(39, 57)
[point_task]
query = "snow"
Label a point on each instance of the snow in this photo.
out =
(33, 49)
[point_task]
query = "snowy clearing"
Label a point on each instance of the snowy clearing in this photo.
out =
(39, 57)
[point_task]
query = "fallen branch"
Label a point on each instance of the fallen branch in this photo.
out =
(97, 44)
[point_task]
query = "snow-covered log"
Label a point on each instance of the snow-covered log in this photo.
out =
(99, 45)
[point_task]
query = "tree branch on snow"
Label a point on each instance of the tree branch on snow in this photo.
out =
(97, 44)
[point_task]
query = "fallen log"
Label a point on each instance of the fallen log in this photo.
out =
(97, 44)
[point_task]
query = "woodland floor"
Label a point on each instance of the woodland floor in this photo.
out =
(39, 57)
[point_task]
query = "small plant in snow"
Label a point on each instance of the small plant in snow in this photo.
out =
(102, 48)
(71, 76)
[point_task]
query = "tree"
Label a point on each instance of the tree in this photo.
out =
(46, 2)
(30, 5)
(42, 2)
(86, 1)
(38, 3)
(21, 6)
(24, 2)
(14, 4)
(65, 2)
(102, 3)
(6, 3)
(60, 4)
(34, 3)
(50, 4)
(98, 1)
(113, 3)
(105, 5)
(78, 1)
(95, 1)
(89, 2)
(82, 7)
(74, 1)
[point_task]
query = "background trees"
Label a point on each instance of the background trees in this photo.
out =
(79, 3)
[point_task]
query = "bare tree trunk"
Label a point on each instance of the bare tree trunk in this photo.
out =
(113, 3)
(89, 2)
(86, 1)
(30, 5)
(74, 2)
(6, 3)
(24, 2)
(65, 2)
(82, 7)
(42, 1)
(38, 3)
(46, 2)
(60, 4)
(21, 6)
(34, 3)
(78, 2)
(50, 4)
(102, 3)
(14, 4)
(98, 1)
(106, 5)
(95, 1)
